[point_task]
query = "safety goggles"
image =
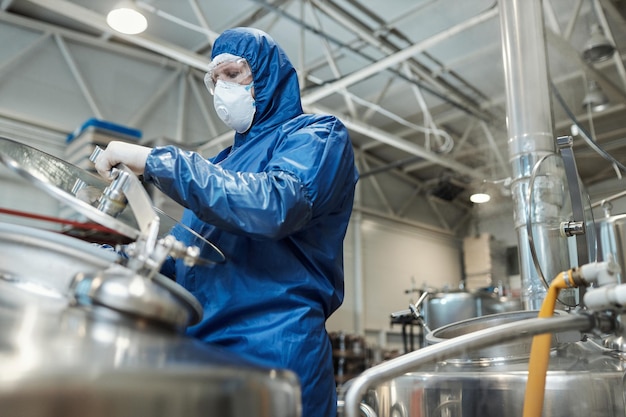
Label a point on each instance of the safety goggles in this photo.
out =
(229, 68)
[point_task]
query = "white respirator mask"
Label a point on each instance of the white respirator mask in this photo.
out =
(234, 104)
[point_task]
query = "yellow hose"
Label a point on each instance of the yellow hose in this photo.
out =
(540, 349)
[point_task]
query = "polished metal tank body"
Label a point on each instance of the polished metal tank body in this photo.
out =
(48, 261)
(583, 379)
(60, 358)
(448, 307)
(574, 388)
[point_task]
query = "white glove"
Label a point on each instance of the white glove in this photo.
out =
(133, 156)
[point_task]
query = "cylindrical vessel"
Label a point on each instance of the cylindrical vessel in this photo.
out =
(531, 137)
(449, 307)
(63, 358)
(491, 303)
(582, 380)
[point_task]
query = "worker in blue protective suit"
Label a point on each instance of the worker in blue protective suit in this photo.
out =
(277, 203)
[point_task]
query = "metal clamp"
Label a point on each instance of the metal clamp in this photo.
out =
(572, 228)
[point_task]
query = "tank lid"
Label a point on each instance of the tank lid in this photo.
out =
(121, 289)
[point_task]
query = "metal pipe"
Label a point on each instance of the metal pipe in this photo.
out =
(395, 58)
(443, 350)
(608, 199)
(377, 39)
(530, 130)
(403, 144)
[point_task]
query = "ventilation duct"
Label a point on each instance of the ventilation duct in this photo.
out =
(530, 132)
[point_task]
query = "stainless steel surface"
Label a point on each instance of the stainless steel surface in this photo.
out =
(59, 178)
(121, 289)
(81, 191)
(209, 252)
(47, 263)
(518, 349)
(63, 361)
(582, 381)
(448, 307)
(530, 132)
(492, 303)
(366, 410)
(36, 258)
(112, 355)
(383, 375)
(547, 210)
(451, 307)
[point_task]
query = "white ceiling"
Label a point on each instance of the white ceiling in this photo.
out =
(420, 83)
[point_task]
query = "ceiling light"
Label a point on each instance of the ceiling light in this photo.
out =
(480, 198)
(595, 98)
(125, 19)
(598, 47)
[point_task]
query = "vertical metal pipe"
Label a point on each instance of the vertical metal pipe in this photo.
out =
(530, 131)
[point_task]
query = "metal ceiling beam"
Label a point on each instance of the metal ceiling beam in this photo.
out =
(396, 58)
(494, 148)
(152, 102)
(16, 59)
(78, 76)
(48, 29)
(97, 21)
(377, 188)
(198, 93)
(402, 144)
(376, 38)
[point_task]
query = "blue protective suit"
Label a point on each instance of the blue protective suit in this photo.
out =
(277, 203)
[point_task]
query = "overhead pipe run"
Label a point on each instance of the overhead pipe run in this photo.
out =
(405, 145)
(395, 58)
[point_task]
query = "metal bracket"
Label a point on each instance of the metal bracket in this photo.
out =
(564, 144)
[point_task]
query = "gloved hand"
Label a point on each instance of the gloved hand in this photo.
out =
(133, 156)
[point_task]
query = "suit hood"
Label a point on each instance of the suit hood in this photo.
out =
(277, 92)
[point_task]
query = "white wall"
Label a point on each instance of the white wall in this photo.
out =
(395, 257)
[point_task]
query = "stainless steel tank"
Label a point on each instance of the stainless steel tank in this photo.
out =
(492, 303)
(448, 307)
(61, 357)
(583, 379)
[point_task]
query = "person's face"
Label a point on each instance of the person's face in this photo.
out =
(231, 72)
